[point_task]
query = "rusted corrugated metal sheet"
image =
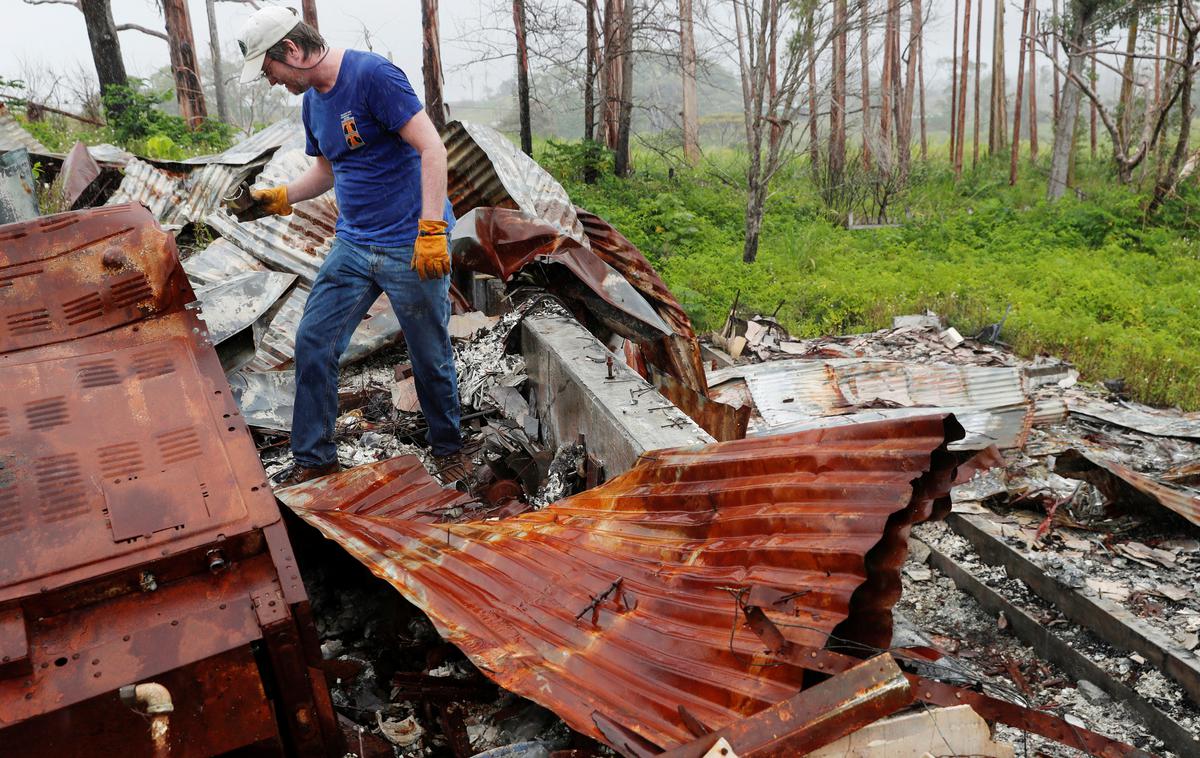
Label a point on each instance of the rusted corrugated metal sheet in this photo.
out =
(13, 135)
(990, 401)
(177, 197)
(140, 531)
(678, 354)
(815, 717)
(1184, 501)
(79, 170)
(297, 243)
(501, 242)
(621, 603)
(723, 422)
(486, 170)
(396, 488)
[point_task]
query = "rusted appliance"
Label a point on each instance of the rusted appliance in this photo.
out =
(141, 543)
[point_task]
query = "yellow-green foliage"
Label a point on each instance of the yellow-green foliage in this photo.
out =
(1087, 279)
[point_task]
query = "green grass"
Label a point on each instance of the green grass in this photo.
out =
(1087, 279)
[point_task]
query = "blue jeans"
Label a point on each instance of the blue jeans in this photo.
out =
(348, 283)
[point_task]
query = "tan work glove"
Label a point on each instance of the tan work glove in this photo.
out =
(431, 258)
(272, 200)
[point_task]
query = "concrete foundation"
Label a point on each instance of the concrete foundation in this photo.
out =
(621, 417)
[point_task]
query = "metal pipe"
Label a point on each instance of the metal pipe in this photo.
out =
(155, 700)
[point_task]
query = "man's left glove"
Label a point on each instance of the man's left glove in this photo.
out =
(431, 258)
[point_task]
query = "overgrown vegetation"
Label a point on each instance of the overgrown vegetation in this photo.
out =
(137, 124)
(1088, 279)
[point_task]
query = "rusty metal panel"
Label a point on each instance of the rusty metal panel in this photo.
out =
(623, 599)
(723, 422)
(816, 716)
(143, 536)
(78, 171)
(679, 354)
(1183, 500)
(501, 242)
(485, 170)
(990, 401)
(14, 136)
(71, 275)
(92, 430)
(219, 706)
(396, 488)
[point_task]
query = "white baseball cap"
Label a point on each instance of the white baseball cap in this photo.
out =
(262, 30)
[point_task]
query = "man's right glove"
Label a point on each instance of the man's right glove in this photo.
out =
(272, 200)
(431, 259)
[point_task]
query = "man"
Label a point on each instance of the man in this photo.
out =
(378, 150)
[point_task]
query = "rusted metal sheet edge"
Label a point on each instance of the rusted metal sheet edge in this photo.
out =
(1052, 648)
(938, 693)
(468, 557)
(1183, 503)
(1107, 620)
(816, 716)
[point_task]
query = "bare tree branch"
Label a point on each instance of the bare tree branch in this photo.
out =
(137, 28)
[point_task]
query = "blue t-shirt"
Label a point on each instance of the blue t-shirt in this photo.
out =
(376, 175)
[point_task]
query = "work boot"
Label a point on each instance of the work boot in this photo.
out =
(298, 474)
(454, 467)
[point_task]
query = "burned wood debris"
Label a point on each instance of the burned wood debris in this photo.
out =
(657, 544)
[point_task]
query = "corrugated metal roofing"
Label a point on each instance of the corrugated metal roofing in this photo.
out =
(177, 198)
(13, 135)
(621, 602)
(990, 400)
(255, 145)
(297, 243)
(487, 170)
(219, 261)
(1160, 423)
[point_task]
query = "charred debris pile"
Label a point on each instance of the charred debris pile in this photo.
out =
(658, 543)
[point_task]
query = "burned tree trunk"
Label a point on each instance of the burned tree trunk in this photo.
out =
(837, 103)
(687, 53)
(904, 124)
(431, 63)
(962, 89)
(998, 112)
(309, 10)
(188, 91)
(621, 165)
(978, 58)
(214, 49)
(1033, 107)
(954, 85)
(921, 90)
(106, 48)
(589, 76)
(1015, 153)
(518, 10)
(887, 83)
(865, 80)
(610, 101)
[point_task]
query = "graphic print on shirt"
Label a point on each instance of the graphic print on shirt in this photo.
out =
(350, 131)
